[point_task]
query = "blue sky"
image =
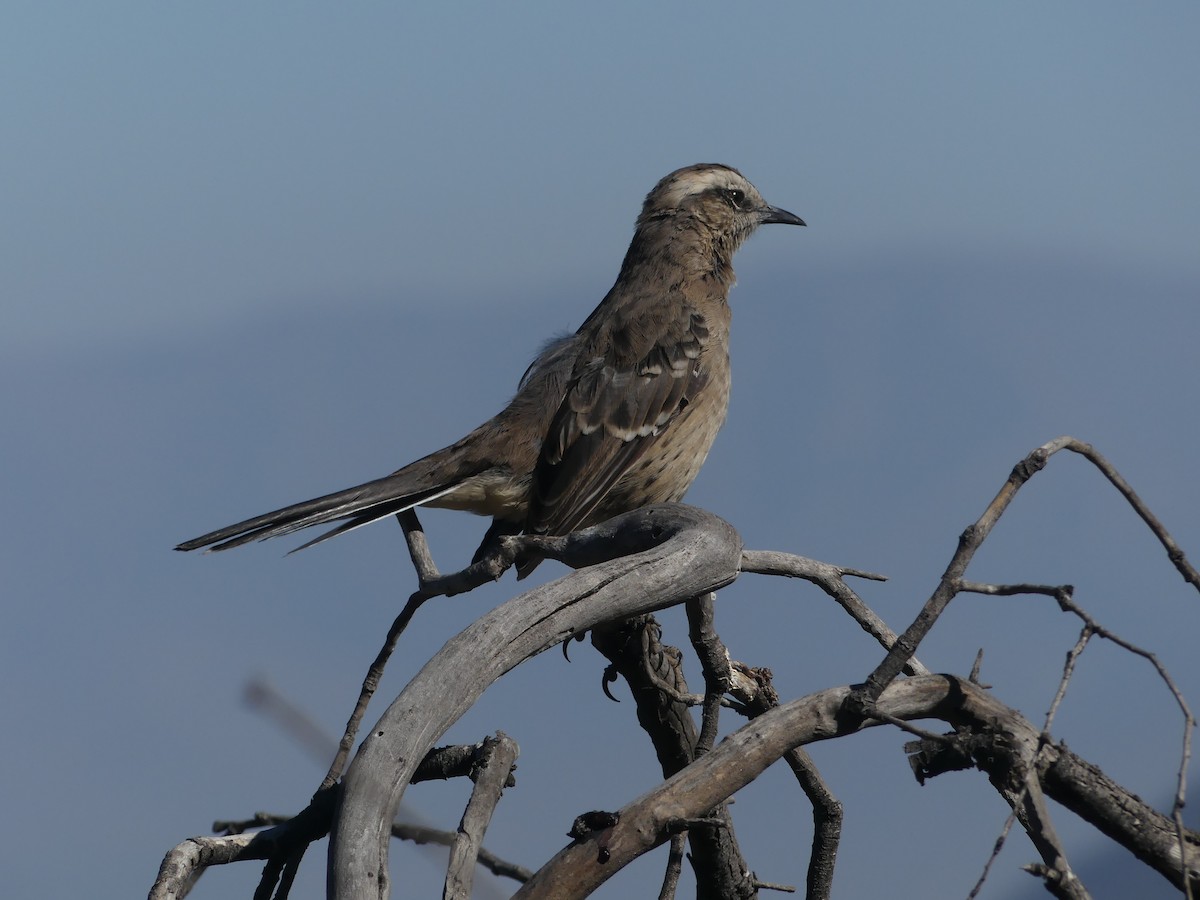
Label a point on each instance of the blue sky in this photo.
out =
(253, 254)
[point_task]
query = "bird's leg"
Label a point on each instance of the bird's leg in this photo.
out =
(492, 542)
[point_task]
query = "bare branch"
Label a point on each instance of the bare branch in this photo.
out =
(418, 546)
(674, 867)
(490, 776)
(995, 854)
(366, 692)
(741, 757)
(656, 680)
(1018, 781)
(772, 886)
(1063, 594)
(755, 689)
(186, 861)
(289, 834)
(829, 579)
(182, 864)
(679, 552)
(657, 557)
(714, 664)
(1067, 603)
(423, 834)
(974, 536)
(1049, 874)
(1174, 552)
(1150, 836)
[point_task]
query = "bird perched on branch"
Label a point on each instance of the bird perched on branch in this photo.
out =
(617, 416)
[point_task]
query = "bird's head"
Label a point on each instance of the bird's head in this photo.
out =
(714, 199)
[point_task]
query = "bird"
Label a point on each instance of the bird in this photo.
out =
(617, 416)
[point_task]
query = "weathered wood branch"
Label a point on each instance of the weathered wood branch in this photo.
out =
(658, 557)
(654, 673)
(492, 774)
(282, 836)
(637, 563)
(650, 820)
(972, 538)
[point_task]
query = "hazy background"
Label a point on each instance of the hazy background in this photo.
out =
(254, 253)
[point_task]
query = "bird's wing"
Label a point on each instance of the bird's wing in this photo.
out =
(639, 375)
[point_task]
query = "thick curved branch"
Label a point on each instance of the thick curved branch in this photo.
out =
(677, 552)
(650, 820)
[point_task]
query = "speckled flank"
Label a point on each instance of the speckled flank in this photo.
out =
(666, 476)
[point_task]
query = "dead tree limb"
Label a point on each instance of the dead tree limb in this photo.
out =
(284, 836)
(905, 646)
(654, 673)
(492, 773)
(648, 821)
(656, 557)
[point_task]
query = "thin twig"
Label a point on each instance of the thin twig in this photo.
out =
(1063, 594)
(829, 579)
(755, 689)
(773, 886)
(1066, 602)
(367, 691)
(916, 731)
(974, 536)
(674, 866)
(418, 546)
(423, 834)
(1068, 670)
(496, 555)
(1174, 552)
(1044, 737)
(996, 848)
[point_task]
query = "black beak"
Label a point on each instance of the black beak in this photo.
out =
(773, 215)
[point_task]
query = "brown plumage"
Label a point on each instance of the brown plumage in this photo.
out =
(618, 416)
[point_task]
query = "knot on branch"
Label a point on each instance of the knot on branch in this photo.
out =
(1063, 596)
(598, 825)
(962, 749)
(1029, 466)
(754, 686)
(858, 707)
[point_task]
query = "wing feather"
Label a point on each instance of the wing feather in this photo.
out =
(618, 404)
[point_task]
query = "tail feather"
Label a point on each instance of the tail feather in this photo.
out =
(374, 514)
(362, 504)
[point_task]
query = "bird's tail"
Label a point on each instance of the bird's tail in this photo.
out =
(421, 482)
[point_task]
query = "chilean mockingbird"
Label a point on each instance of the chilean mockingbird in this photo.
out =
(617, 416)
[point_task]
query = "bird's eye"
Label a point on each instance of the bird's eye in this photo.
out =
(736, 197)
